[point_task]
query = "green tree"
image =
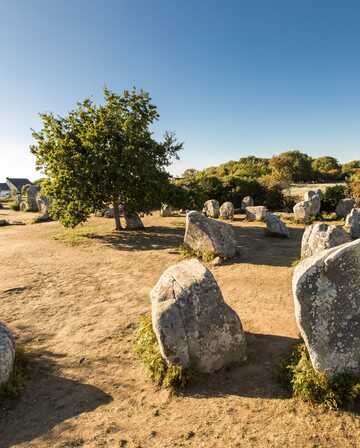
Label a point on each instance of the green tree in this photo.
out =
(104, 154)
(326, 168)
(291, 166)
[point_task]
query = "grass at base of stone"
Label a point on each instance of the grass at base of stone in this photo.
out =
(206, 256)
(170, 376)
(16, 382)
(298, 375)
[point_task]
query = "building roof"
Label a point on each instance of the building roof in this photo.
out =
(4, 187)
(18, 183)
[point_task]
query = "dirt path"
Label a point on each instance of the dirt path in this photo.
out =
(74, 298)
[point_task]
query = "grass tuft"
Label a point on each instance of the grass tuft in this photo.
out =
(170, 376)
(14, 206)
(299, 376)
(205, 256)
(16, 383)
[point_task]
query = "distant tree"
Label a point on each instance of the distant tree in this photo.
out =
(189, 173)
(351, 168)
(326, 168)
(291, 166)
(101, 155)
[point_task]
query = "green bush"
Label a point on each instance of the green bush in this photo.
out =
(14, 206)
(331, 197)
(299, 376)
(171, 376)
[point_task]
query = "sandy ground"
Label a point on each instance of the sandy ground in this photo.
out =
(73, 299)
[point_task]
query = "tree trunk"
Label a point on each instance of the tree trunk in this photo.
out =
(117, 215)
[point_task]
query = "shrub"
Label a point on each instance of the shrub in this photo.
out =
(171, 376)
(205, 256)
(299, 376)
(331, 197)
(355, 190)
(14, 206)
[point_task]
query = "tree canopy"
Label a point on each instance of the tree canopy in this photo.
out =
(104, 154)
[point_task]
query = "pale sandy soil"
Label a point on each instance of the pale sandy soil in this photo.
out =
(73, 299)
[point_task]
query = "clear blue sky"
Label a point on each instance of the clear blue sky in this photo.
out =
(232, 78)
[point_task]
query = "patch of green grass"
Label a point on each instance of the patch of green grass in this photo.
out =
(16, 383)
(328, 217)
(299, 376)
(171, 376)
(205, 256)
(14, 206)
(295, 262)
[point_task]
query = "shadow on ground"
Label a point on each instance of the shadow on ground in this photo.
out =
(256, 378)
(151, 238)
(48, 399)
(256, 248)
(253, 246)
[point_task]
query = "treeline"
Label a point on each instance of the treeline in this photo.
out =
(263, 179)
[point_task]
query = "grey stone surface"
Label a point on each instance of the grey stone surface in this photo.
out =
(326, 290)
(352, 223)
(211, 208)
(7, 353)
(302, 211)
(227, 211)
(133, 221)
(344, 207)
(275, 226)
(208, 236)
(257, 213)
(193, 325)
(166, 210)
(247, 201)
(28, 202)
(321, 236)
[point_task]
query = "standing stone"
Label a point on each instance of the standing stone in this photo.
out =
(133, 221)
(302, 211)
(206, 236)
(257, 213)
(211, 208)
(321, 236)
(352, 222)
(166, 210)
(193, 325)
(314, 198)
(326, 291)
(247, 201)
(43, 204)
(28, 202)
(344, 207)
(7, 354)
(276, 227)
(227, 211)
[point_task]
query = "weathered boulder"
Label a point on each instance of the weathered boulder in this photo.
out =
(321, 236)
(247, 201)
(227, 211)
(206, 236)
(166, 210)
(344, 207)
(28, 202)
(133, 221)
(193, 325)
(302, 211)
(276, 227)
(315, 201)
(352, 223)
(211, 208)
(326, 291)
(311, 193)
(7, 353)
(43, 204)
(257, 213)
